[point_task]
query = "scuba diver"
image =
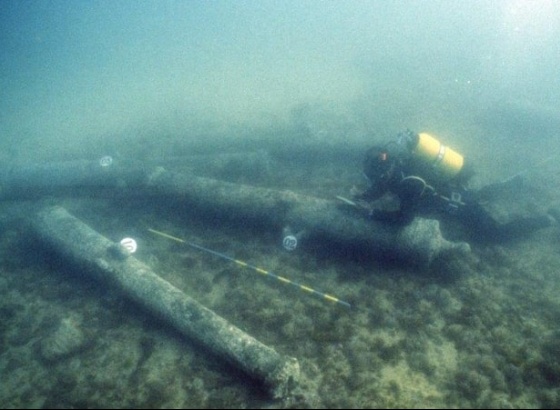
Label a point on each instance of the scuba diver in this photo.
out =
(429, 179)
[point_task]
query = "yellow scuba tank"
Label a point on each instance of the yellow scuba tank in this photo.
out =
(444, 161)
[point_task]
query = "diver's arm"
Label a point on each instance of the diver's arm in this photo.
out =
(410, 191)
(372, 193)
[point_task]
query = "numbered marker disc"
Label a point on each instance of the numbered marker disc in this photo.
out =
(106, 161)
(290, 243)
(129, 244)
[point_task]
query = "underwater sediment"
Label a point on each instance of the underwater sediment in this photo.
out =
(482, 337)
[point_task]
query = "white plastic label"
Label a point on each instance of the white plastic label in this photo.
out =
(290, 243)
(106, 161)
(129, 244)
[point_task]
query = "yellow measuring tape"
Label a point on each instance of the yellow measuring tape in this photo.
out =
(255, 268)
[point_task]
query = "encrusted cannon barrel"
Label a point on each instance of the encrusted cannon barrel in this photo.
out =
(329, 221)
(79, 177)
(335, 223)
(112, 265)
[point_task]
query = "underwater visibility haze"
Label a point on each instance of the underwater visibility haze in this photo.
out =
(281, 95)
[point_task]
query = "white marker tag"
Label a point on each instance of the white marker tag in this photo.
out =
(106, 161)
(129, 244)
(290, 243)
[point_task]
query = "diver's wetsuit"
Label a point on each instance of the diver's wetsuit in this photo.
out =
(392, 169)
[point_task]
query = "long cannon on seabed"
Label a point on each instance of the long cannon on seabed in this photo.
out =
(328, 221)
(112, 265)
